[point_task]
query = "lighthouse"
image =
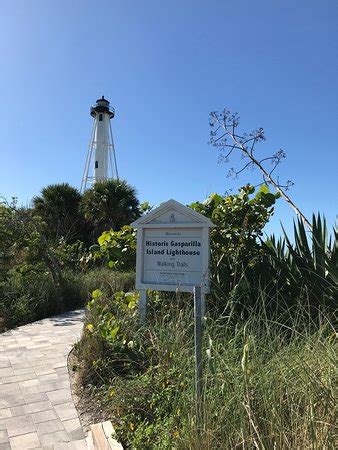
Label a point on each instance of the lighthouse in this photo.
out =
(101, 159)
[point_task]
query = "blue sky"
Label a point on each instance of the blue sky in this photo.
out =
(164, 66)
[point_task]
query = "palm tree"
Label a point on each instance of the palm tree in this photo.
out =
(110, 204)
(58, 205)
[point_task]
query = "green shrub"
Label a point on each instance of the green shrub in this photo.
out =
(68, 256)
(236, 245)
(115, 249)
(110, 326)
(26, 296)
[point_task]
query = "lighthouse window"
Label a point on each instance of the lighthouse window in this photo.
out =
(96, 164)
(100, 117)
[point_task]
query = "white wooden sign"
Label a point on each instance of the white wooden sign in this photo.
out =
(172, 249)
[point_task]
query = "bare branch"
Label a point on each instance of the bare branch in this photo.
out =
(271, 171)
(221, 137)
(229, 123)
(250, 163)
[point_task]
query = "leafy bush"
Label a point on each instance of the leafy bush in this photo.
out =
(236, 243)
(109, 334)
(68, 256)
(116, 249)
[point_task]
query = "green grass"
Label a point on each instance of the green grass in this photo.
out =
(266, 385)
(107, 280)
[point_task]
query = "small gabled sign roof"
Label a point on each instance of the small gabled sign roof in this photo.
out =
(173, 213)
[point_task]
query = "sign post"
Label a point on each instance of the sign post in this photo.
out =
(142, 304)
(198, 352)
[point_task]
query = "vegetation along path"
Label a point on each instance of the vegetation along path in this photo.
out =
(36, 406)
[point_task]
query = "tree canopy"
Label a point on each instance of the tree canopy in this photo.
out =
(58, 205)
(110, 204)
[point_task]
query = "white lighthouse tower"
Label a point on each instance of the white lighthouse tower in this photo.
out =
(101, 159)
